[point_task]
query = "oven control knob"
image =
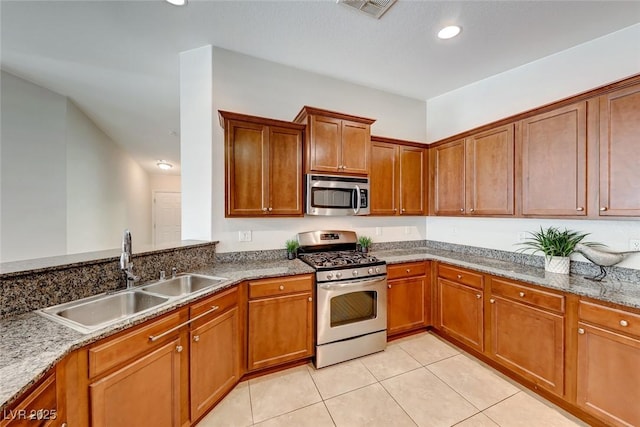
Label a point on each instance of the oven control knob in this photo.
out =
(377, 269)
(355, 272)
(329, 276)
(370, 271)
(338, 275)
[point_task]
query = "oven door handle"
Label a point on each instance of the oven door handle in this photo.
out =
(357, 209)
(351, 283)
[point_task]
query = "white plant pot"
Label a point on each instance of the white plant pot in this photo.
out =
(557, 264)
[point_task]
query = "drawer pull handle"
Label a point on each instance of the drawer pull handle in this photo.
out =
(179, 349)
(521, 294)
(459, 276)
(478, 296)
(492, 301)
(196, 338)
(153, 338)
(581, 331)
(624, 323)
(281, 287)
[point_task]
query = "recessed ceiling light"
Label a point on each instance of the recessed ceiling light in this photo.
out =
(449, 32)
(164, 165)
(177, 2)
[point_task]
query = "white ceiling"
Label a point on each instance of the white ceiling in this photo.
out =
(118, 60)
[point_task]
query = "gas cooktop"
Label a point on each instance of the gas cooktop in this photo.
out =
(337, 259)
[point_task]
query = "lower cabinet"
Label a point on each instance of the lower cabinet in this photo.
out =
(408, 302)
(460, 305)
(38, 408)
(280, 322)
(527, 332)
(608, 383)
(215, 353)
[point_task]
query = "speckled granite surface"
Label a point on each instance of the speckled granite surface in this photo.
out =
(30, 344)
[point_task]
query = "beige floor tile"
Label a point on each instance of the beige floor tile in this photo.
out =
(389, 363)
(478, 420)
(341, 378)
(282, 392)
(427, 348)
(315, 415)
(522, 410)
(427, 400)
(475, 382)
(370, 406)
(233, 411)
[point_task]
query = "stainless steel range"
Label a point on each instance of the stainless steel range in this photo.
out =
(351, 302)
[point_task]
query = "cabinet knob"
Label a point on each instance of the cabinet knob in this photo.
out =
(624, 323)
(310, 299)
(521, 294)
(581, 331)
(459, 276)
(408, 270)
(395, 209)
(461, 209)
(580, 209)
(389, 286)
(404, 210)
(264, 209)
(478, 296)
(270, 209)
(179, 349)
(603, 208)
(471, 210)
(492, 301)
(196, 338)
(281, 287)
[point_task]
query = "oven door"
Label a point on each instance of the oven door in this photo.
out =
(351, 309)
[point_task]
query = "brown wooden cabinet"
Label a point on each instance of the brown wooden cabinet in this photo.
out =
(38, 408)
(263, 166)
(608, 378)
(475, 175)
(619, 153)
(336, 143)
(216, 349)
(408, 297)
(460, 311)
(527, 332)
(398, 178)
(280, 325)
(552, 153)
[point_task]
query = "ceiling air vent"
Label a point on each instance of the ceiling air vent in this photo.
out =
(373, 8)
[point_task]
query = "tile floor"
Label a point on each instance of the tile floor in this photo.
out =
(417, 381)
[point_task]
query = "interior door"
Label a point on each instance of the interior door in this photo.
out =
(167, 213)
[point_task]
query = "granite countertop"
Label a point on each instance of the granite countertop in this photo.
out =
(30, 344)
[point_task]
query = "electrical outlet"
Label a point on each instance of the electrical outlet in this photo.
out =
(244, 236)
(378, 231)
(634, 244)
(522, 235)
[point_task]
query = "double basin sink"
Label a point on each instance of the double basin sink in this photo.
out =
(92, 313)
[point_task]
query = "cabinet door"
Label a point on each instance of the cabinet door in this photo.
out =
(554, 162)
(145, 392)
(285, 172)
(214, 360)
(620, 153)
(355, 139)
(383, 178)
(460, 313)
(406, 304)
(489, 172)
(413, 171)
(325, 134)
(449, 179)
(529, 341)
(247, 163)
(38, 409)
(608, 375)
(280, 330)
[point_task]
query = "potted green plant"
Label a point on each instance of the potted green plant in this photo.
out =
(365, 243)
(292, 246)
(556, 245)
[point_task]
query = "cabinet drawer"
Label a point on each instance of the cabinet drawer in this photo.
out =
(223, 300)
(527, 295)
(280, 286)
(399, 271)
(461, 275)
(618, 320)
(114, 351)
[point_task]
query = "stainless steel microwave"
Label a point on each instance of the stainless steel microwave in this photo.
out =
(334, 195)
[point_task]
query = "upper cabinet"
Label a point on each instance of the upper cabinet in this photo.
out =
(475, 175)
(398, 177)
(336, 143)
(620, 153)
(263, 166)
(552, 150)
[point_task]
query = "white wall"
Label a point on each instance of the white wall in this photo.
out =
(33, 171)
(253, 86)
(164, 182)
(561, 75)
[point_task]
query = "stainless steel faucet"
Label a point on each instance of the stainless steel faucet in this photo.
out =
(125, 260)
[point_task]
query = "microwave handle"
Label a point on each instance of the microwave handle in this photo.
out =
(357, 209)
